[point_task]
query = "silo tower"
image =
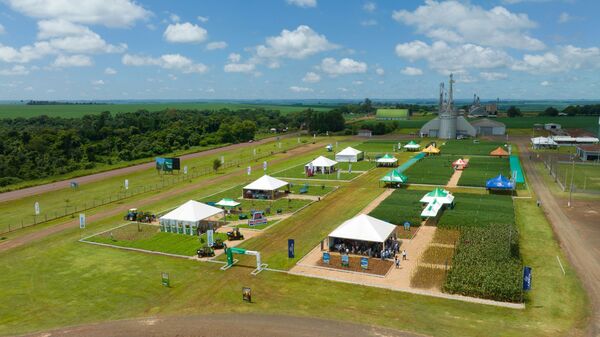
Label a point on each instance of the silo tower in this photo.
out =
(448, 115)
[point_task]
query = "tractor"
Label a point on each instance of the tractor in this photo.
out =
(135, 215)
(235, 234)
(205, 251)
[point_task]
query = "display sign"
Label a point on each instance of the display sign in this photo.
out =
(185, 169)
(349, 168)
(165, 279)
(364, 262)
(126, 184)
(345, 261)
(291, 248)
(168, 164)
(406, 225)
(81, 220)
(527, 278)
(36, 208)
(326, 257)
(222, 160)
(246, 294)
(264, 166)
(210, 237)
(249, 170)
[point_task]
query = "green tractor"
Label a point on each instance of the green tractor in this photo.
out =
(235, 234)
(205, 251)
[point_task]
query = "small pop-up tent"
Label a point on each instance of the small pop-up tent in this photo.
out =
(265, 187)
(387, 160)
(227, 202)
(499, 152)
(394, 178)
(349, 154)
(459, 164)
(321, 164)
(439, 194)
(412, 146)
(190, 218)
(431, 150)
(499, 183)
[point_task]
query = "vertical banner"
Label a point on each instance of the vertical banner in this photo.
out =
(345, 260)
(36, 208)
(349, 168)
(298, 140)
(526, 278)
(249, 170)
(165, 279)
(222, 160)
(210, 237)
(336, 144)
(81, 220)
(185, 169)
(265, 166)
(254, 152)
(339, 174)
(326, 257)
(280, 145)
(364, 263)
(126, 184)
(291, 248)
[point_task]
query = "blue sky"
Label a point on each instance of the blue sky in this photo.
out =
(287, 49)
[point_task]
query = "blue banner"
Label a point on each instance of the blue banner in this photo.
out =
(210, 237)
(326, 257)
(291, 248)
(345, 261)
(527, 278)
(364, 262)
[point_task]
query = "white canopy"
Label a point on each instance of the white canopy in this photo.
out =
(349, 154)
(227, 202)
(322, 162)
(387, 159)
(412, 145)
(543, 141)
(432, 209)
(349, 151)
(266, 183)
(364, 228)
(191, 211)
(442, 196)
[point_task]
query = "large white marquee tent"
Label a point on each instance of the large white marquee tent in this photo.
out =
(349, 154)
(191, 217)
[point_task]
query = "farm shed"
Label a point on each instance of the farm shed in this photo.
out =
(588, 152)
(265, 187)
(365, 133)
(321, 164)
(191, 218)
(488, 127)
(349, 154)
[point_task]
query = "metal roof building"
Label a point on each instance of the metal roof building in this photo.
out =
(488, 127)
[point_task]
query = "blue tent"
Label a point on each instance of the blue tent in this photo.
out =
(499, 183)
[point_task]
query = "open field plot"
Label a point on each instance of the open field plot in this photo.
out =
(258, 227)
(149, 237)
(312, 188)
(473, 210)
(582, 122)
(400, 206)
(481, 169)
(585, 176)
(297, 172)
(433, 170)
(469, 147)
(378, 146)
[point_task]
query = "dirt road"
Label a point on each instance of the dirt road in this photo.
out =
(25, 192)
(242, 325)
(578, 239)
(122, 208)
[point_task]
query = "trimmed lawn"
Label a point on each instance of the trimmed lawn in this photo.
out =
(481, 169)
(298, 172)
(468, 147)
(433, 170)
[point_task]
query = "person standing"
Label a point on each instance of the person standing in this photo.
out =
(404, 254)
(397, 261)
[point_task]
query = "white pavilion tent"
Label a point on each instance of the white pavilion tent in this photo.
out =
(387, 160)
(439, 194)
(265, 187)
(432, 209)
(363, 228)
(543, 142)
(349, 154)
(321, 164)
(191, 217)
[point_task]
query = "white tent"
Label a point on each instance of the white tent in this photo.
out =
(540, 142)
(265, 187)
(364, 228)
(349, 154)
(187, 218)
(432, 209)
(412, 146)
(387, 160)
(439, 194)
(322, 164)
(227, 202)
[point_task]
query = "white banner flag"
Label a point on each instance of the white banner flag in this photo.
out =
(126, 184)
(81, 220)
(36, 208)
(185, 169)
(249, 170)
(264, 165)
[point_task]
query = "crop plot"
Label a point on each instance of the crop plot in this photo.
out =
(434, 170)
(481, 169)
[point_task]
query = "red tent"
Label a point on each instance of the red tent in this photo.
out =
(459, 164)
(499, 152)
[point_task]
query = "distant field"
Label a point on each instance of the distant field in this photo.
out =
(565, 121)
(72, 110)
(468, 147)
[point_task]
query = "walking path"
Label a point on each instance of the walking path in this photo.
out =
(453, 182)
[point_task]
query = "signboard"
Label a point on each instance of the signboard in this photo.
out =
(254, 151)
(264, 166)
(345, 261)
(326, 257)
(210, 237)
(81, 220)
(364, 262)
(126, 184)
(246, 294)
(165, 279)
(249, 170)
(349, 168)
(168, 164)
(291, 248)
(185, 169)
(406, 225)
(36, 208)
(222, 160)
(527, 278)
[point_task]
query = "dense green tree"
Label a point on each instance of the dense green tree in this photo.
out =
(513, 111)
(550, 111)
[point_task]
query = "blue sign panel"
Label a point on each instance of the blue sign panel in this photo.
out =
(345, 261)
(364, 262)
(527, 278)
(291, 248)
(326, 257)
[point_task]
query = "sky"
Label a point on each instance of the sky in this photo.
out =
(298, 49)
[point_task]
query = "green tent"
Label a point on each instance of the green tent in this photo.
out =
(394, 177)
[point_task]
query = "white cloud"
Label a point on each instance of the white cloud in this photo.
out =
(412, 71)
(98, 82)
(492, 76)
(545, 83)
(380, 71)
(296, 44)
(59, 28)
(564, 58)
(357, 82)
(203, 19)
(303, 3)
(74, 38)
(443, 57)
(234, 57)
(110, 13)
(367, 23)
(63, 61)
(25, 54)
(216, 45)
(370, 7)
(110, 71)
(166, 61)
(300, 89)
(17, 70)
(185, 33)
(457, 22)
(174, 17)
(344, 66)
(311, 77)
(239, 67)
(564, 17)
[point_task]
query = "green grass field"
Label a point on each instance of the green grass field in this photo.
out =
(468, 147)
(481, 169)
(585, 177)
(433, 170)
(298, 172)
(150, 238)
(73, 111)
(478, 210)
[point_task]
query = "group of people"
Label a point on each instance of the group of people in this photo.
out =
(391, 250)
